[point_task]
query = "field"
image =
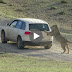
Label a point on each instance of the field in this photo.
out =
(21, 63)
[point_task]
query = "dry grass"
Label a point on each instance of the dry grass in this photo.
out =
(53, 11)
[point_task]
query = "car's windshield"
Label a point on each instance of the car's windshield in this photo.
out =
(40, 27)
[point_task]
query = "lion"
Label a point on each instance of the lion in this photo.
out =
(63, 41)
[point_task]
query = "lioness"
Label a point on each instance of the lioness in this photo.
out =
(64, 42)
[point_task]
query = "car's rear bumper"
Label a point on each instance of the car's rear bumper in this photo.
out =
(38, 44)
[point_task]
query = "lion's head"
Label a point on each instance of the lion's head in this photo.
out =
(55, 29)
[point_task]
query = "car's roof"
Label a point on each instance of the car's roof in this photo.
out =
(32, 20)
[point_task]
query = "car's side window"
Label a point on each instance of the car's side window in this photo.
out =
(13, 24)
(23, 25)
(19, 24)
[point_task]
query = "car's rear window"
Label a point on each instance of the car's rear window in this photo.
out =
(40, 27)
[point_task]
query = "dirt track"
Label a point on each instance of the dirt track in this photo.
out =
(53, 53)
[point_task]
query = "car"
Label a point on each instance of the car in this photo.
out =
(19, 30)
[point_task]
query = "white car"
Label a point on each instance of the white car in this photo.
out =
(19, 29)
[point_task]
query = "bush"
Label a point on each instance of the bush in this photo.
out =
(19, 10)
(70, 9)
(53, 7)
(2, 1)
(61, 13)
(10, 5)
(64, 1)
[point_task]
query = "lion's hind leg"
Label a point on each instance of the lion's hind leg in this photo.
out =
(67, 47)
(63, 47)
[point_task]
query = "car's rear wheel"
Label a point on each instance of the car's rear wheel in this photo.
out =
(20, 44)
(48, 46)
(3, 38)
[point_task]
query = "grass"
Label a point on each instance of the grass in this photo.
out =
(19, 10)
(10, 5)
(64, 1)
(67, 36)
(61, 13)
(2, 1)
(21, 63)
(53, 8)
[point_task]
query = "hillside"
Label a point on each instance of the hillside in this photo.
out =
(53, 11)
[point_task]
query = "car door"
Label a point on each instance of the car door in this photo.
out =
(12, 30)
(21, 30)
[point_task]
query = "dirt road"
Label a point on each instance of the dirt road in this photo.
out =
(53, 53)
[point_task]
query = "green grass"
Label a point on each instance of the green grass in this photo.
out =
(21, 63)
(53, 8)
(64, 1)
(2, 1)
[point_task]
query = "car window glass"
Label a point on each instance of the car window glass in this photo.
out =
(40, 27)
(13, 24)
(23, 25)
(19, 24)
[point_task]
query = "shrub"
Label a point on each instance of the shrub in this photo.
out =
(19, 10)
(53, 7)
(64, 1)
(10, 5)
(61, 13)
(70, 9)
(2, 1)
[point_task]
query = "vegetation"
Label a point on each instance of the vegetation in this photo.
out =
(61, 13)
(2, 1)
(10, 5)
(43, 9)
(53, 7)
(70, 9)
(21, 63)
(64, 1)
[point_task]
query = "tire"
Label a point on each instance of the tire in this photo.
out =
(48, 46)
(20, 44)
(3, 39)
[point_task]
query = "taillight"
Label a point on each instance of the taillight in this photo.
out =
(27, 33)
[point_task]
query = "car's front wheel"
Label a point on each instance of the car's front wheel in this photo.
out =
(20, 44)
(3, 38)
